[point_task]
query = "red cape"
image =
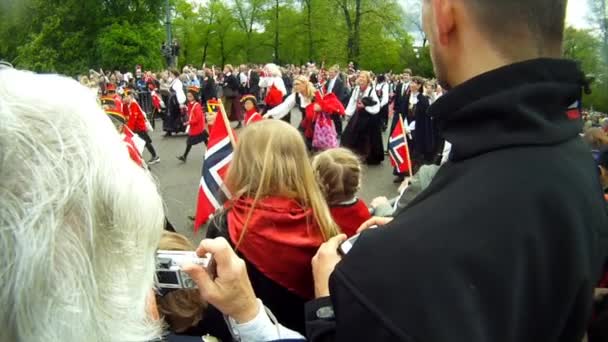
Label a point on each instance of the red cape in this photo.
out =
(350, 217)
(280, 240)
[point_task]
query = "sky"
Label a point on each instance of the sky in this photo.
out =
(578, 11)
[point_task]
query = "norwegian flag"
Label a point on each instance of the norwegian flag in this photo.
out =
(398, 150)
(212, 190)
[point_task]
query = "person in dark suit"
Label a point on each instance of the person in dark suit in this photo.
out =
(402, 98)
(208, 90)
(253, 81)
(335, 85)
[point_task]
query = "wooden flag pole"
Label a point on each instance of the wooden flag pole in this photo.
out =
(407, 148)
(226, 122)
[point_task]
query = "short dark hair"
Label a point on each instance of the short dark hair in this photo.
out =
(510, 23)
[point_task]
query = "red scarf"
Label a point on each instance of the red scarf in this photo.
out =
(252, 116)
(280, 240)
(350, 217)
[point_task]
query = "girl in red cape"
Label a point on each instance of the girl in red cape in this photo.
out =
(197, 133)
(277, 217)
(338, 173)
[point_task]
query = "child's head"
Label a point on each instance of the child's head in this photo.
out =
(271, 159)
(338, 172)
(249, 102)
(117, 118)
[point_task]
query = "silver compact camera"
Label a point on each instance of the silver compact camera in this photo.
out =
(169, 272)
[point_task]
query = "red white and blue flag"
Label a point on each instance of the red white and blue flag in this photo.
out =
(212, 192)
(398, 150)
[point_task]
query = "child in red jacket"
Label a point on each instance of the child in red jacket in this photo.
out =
(338, 172)
(196, 120)
(136, 121)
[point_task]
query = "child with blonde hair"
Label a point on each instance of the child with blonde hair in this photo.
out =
(338, 172)
(276, 218)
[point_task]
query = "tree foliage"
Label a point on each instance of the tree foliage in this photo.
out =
(586, 48)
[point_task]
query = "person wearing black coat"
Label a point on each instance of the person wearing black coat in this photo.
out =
(424, 149)
(508, 241)
(253, 83)
(208, 90)
(335, 85)
(231, 98)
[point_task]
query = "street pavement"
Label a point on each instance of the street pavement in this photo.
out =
(178, 182)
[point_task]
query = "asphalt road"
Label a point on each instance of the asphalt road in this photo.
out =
(178, 182)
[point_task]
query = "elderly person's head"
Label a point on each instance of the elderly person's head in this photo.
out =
(273, 70)
(80, 221)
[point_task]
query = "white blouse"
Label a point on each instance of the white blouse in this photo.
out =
(352, 104)
(286, 106)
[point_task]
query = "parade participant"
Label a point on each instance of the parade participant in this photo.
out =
(230, 97)
(276, 210)
(307, 99)
(208, 90)
(111, 93)
(336, 86)
(338, 172)
(173, 123)
(251, 109)
(136, 121)
(196, 121)
(425, 134)
(119, 121)
(272, 81)
(382, 90)
(363, 134)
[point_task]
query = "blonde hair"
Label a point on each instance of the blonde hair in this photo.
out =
(367, 75)
(273, 69)
(229, 67)
(271, 159)
(79, 220)
(338, 172)
(335, 68)
(182, 309)
(310, 88)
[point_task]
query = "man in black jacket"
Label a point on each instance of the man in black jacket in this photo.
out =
(508, 240)
(335, 85)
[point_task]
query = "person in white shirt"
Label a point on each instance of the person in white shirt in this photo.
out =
(272, 81)
(363, 133)
(174, 123)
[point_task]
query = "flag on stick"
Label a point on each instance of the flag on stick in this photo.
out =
(398, 150)
(212, 192)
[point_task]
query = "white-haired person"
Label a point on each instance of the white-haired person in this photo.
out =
(80, 222)
(272, 81)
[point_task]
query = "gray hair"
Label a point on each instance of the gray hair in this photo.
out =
(273, 69)
(79, 221)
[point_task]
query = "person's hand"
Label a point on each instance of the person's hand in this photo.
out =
(267, 116)
(324, 262)
(600, 293)
(317, 107)
(378, 201)
(231, 291)
(374, 221)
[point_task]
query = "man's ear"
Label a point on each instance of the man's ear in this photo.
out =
(443, 19)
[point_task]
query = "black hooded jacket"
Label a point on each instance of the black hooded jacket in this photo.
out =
(507, 242)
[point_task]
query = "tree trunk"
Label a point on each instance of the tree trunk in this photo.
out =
(357, 33)
(309, 23)
(205, 47)
(276, 33)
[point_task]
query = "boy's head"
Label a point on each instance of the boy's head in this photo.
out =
(338, 172)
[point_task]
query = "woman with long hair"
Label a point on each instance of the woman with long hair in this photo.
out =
(277, 217)
(363, 133)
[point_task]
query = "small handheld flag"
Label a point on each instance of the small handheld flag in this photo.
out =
(398, 150)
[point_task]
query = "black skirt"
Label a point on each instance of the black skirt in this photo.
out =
(197, 139)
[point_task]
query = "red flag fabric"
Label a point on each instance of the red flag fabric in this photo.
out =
(212, 192)
(398, 150)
